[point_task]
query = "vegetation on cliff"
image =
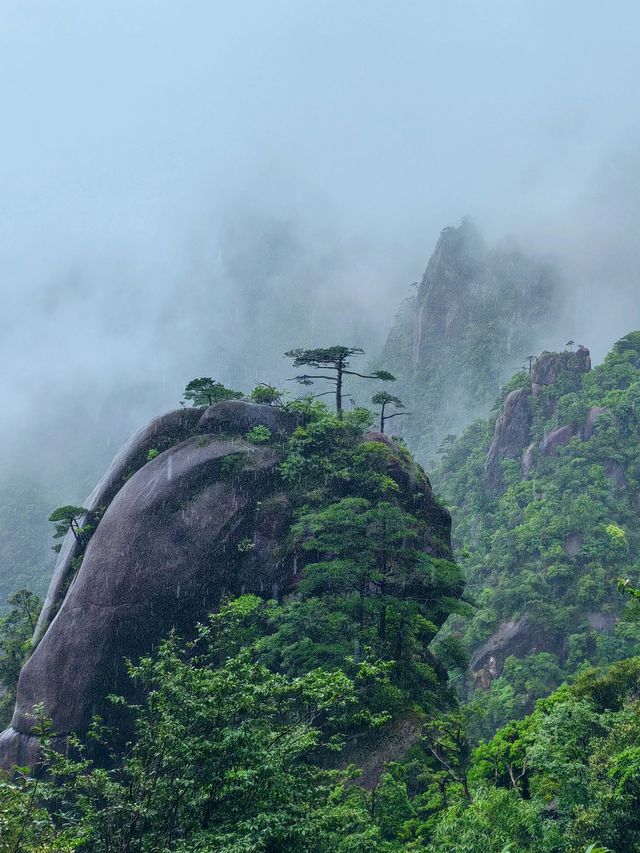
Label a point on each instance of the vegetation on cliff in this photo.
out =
(543, 551)
(324, 721)
(278, 697)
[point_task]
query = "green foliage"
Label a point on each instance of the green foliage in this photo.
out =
(233, 463)
(66, 518)
(152, 454)
(242, 737)
(16, 630)
(205, 392)
(368, 591)
(238, 738)
(267, 394)
(226, 756)
(337, 361)
(259, 434)
(25, 824)
(386, 596)
(245, 546)
(551, 548)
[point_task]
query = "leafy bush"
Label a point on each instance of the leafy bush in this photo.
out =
(259, 434)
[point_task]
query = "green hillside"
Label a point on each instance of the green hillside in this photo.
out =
(545, 500)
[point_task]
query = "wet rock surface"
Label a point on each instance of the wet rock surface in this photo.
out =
(203, 520)
(512, 434)
(162, 432)
(179, 532)
(517, 637)
(550, 365)
(555, 439)
(593, 415)
(238, 416)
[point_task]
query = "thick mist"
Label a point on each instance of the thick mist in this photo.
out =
(191, 189)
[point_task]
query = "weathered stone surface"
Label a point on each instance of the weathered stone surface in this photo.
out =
(162, 432)
(442, 312)
(382, 437)
(602, 622)
(162, 556)
(488, 661)
(590, 422)
(373, 752)
(18, 749)
(238, 416)
(517, 637)
(555, 439)
(205, 519)
(512, 434)
(616, 472)
(550, 365)
(528, 461)
(573, 545)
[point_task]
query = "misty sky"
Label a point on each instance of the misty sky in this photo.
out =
(183, 181)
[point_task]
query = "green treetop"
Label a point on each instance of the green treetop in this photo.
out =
(66, 518)
(206, 392)
(267, 394)
(384, 399)
(336, 360)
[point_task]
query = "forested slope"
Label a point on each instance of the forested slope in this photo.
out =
(545, 497)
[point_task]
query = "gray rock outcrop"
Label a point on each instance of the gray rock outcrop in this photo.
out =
(550, 365)
(555, 439)
(162, 432)
(203, 520)
(238, 416)
(593, 415)
(512, 434)
(474, 314)
(162, 556)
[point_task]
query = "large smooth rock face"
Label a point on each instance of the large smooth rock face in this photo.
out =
(550, 365)
(159, 434)
(170, 545)
(555, 439)
(163, 555)
(512, 434)
(240, 416)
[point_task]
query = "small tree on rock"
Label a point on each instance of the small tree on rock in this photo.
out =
(383, 399)
(66, 518)
(266, 394)
(206, 392)
(336, 360)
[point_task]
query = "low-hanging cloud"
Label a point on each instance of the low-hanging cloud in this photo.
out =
(192, 189)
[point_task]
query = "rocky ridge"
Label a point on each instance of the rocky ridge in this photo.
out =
(204, 519)
(476, 313)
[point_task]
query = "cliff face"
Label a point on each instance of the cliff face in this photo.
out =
(545, 497)
(477, 313)
(205, 519)
(512, 433)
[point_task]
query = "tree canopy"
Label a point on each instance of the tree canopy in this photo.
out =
(336, 359)
(205, 392)
(384, 399)
(66, 518)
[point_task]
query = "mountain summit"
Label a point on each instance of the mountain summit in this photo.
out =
(476, 315)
